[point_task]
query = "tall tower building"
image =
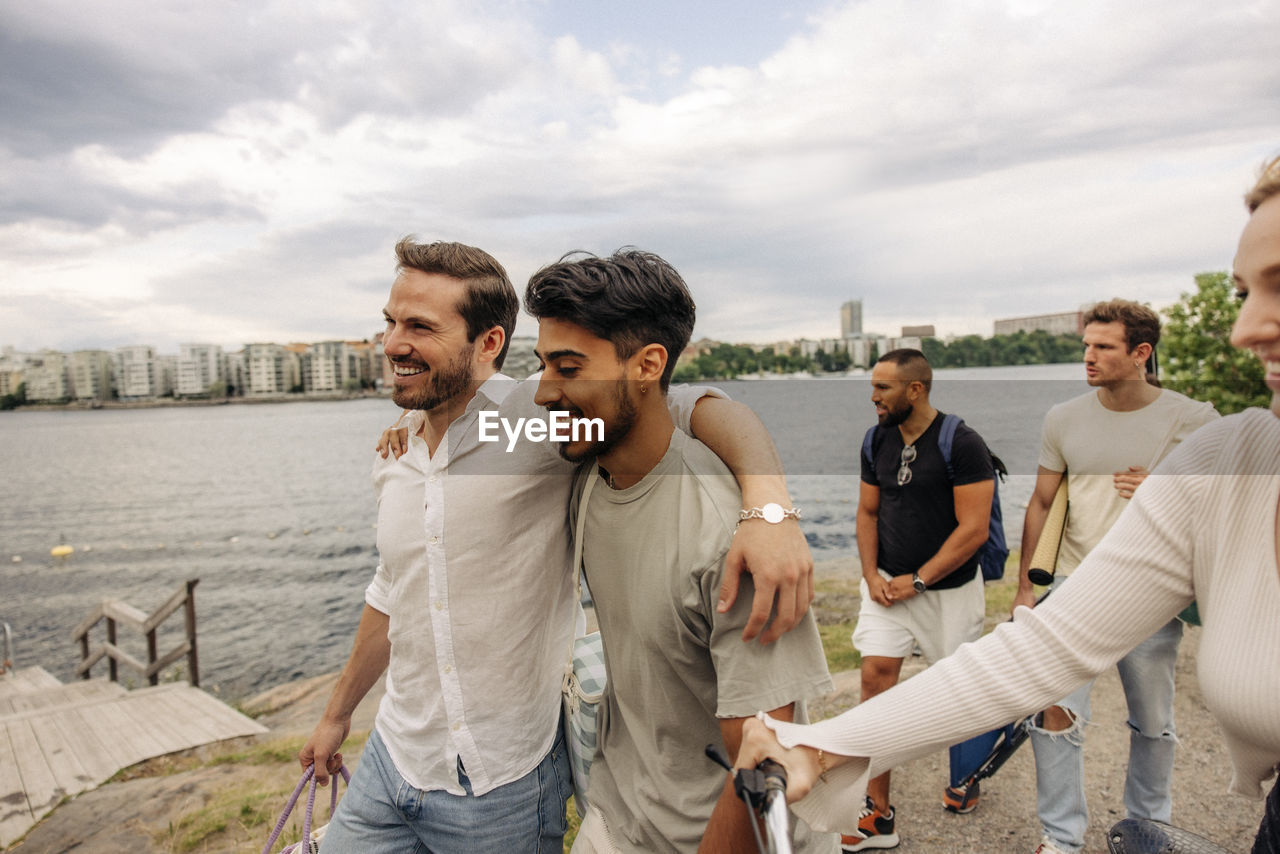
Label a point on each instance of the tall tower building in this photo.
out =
(851, 319)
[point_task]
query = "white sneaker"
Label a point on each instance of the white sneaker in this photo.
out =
(1048, 846)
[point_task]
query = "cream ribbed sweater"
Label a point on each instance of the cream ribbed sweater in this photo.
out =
(1201, 527)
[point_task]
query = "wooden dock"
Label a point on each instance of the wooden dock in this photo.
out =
(61, 739)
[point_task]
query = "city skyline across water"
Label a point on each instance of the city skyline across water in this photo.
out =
(135, 373)
(272, 508)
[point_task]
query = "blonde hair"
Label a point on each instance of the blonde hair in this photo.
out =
(1268, 185)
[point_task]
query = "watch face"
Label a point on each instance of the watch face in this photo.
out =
(773, 513)
(918, 585)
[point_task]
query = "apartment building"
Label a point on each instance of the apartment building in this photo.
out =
(264, 370)
(325, 368)
(92, 375)
(1062, 323)
(48, 377)
(200, 368)
(137, 373)
(13, 369)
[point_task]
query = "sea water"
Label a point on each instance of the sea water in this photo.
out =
(271, 507)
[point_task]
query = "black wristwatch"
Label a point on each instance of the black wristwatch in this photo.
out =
(917, 583)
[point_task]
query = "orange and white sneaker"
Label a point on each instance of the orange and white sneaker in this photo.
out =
(961, 800)
(875, 831)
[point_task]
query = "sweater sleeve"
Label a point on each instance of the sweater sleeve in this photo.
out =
(1135, 581)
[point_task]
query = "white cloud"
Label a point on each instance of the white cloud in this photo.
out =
(947, 162)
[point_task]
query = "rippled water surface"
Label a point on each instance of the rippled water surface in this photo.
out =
(270, 506)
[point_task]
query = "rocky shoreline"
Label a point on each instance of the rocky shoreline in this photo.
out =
(140, 812)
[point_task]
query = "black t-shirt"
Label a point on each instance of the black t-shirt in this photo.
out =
(916, 519)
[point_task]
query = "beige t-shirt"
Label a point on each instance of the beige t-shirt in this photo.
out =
(652, 558)
(1091, 443)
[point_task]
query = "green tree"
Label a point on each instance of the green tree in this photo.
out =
(934, 350)
(1196, 353)
(18, 398)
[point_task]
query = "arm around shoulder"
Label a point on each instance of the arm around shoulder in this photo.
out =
(776, 555)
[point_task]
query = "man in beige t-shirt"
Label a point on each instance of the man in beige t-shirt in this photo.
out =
(658, 514)
(1104, 443)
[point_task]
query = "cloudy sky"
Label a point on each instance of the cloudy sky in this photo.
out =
(239, 171)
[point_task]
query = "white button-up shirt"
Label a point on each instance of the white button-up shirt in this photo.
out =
(474, 575)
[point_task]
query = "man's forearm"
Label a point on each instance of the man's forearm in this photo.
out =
(1032, 527)
(1038, 507)
(369, 657)
(729, 828)
(777, 556)
(868, 542)
(953, 553)
(737, 436)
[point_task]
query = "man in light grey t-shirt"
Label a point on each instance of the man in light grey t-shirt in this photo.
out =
(1104, 443)
(658, 514)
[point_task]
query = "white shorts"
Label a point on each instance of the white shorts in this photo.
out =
(937, 621)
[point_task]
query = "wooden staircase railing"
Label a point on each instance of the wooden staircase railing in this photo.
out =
(116, 612)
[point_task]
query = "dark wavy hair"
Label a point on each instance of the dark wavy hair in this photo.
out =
(490, 298)
(631, 299)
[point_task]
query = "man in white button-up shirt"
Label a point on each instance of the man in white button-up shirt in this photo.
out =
(470, 611)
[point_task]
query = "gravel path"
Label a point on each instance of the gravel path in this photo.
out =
(1005, 819)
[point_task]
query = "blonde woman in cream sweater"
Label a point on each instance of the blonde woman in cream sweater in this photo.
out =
(1205, 527)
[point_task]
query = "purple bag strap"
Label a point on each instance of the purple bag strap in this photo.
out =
(308, 776)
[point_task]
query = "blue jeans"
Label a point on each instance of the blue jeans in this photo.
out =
(1146, 674)
(380, 813)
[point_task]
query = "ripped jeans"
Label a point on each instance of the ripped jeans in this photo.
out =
(1147, 676)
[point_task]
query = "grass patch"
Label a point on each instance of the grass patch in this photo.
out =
(999, 600)
(575, 821)
(284, 750)
(835, 609)
(239, 816)
(242, 813)
(838, 645)
(1000, 594)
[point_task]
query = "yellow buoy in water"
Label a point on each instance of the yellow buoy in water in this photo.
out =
(61, 551)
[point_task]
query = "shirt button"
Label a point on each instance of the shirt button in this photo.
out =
(435, 540)
(448, 669)
(431, 479)
(457, 727)
(439, 606)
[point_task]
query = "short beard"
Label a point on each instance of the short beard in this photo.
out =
(624, 418)
(894, 417)
(444, 385)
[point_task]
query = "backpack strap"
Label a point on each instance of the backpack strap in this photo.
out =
(867, 441)
(946, 438)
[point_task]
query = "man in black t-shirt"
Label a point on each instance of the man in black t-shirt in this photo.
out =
(919, 530)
